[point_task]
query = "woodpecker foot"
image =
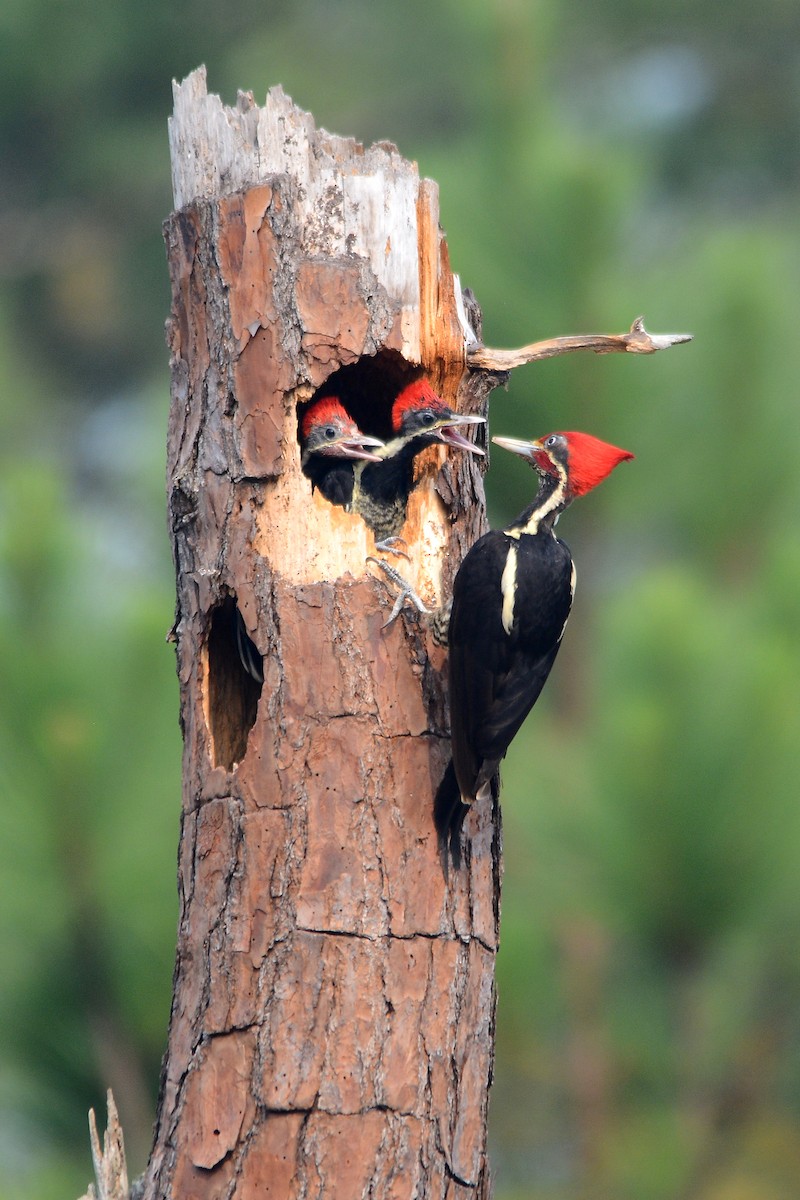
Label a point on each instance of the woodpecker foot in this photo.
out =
(406, 592)
(390, 545)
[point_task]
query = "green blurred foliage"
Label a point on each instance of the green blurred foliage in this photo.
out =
(593, 163)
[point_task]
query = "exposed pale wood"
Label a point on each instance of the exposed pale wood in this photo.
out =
(444, 331)
(110, 1170)
(636, 341)
(349, 201)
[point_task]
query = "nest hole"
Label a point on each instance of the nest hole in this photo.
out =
(367, 389)
(235, 679)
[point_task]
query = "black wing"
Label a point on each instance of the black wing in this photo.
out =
(496, 676)
(333, 476)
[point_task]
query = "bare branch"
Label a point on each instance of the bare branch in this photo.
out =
(636, 341)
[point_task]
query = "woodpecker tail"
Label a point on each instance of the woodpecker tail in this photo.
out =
(449, 811)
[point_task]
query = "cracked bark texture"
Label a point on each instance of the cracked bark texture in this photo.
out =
(332, 1022)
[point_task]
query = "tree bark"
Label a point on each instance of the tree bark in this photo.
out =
(332, 1024)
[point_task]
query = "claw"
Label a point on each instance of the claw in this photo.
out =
(389, 546)
(406, 592)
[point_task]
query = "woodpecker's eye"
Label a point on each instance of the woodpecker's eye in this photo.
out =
(552, 440)
(330, 432)
(427, 417)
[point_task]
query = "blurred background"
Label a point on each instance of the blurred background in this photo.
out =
(595, 161)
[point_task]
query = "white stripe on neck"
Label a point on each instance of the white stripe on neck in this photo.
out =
(554, 501)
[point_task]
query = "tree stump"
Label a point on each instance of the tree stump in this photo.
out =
(332, 1021)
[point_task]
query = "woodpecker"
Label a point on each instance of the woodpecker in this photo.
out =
(330, 442)
(511, 599)
(381, 490)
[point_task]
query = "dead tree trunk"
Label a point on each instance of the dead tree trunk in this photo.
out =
(332, 1020)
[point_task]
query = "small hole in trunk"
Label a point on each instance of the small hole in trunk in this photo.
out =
(235, 679)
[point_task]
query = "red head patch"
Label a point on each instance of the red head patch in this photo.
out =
(416, 395)
(590, 461)
(326, 409)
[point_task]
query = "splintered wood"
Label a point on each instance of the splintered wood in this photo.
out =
(327, 252)
(110, 1169)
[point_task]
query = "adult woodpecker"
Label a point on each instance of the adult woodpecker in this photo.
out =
(511, 600)
(378, 487)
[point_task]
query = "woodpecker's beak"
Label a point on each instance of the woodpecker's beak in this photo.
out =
(448, 432)
(357, 447)
(533, 452)
(350, 443)
(518, 446)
